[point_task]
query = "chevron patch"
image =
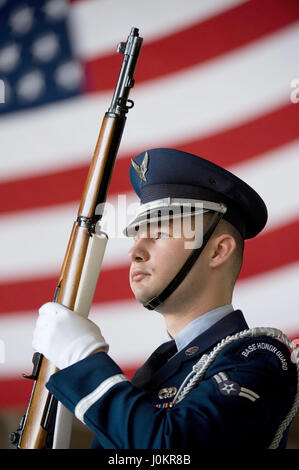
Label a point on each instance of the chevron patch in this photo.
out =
(228, 387)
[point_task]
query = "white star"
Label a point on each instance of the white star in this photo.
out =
(46, 47)
(9, 57)
(56, 9)
(31, 85)
(21, 19)
(228, 388)
(69, 75)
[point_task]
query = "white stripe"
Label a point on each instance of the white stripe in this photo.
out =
(271, 299)
(86, 402)
(272, 175)
(99, 25)
(209, 98)
(217, 378)
(247, 396)
(223, 376)
(250, 392)
(268, 300)
(33, 243)
(144, 333)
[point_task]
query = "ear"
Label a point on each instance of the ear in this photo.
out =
(222, 248)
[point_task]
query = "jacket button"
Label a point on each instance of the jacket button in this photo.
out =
(191, 351)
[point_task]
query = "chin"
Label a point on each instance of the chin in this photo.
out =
(139, 295)
(142, 296)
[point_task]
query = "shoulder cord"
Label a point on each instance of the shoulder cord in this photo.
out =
(206, 360)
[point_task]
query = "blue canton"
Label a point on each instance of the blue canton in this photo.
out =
(37, 63)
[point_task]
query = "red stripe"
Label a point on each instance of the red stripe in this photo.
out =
(198, 43)
(15, 392)
(270, 251)
(53, 188)
(29, 294)
(229, 147)
(250, 139)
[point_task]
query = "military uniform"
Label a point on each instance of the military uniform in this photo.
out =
(244, 396)
(241, 394)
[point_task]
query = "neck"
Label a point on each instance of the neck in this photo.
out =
(177, 319)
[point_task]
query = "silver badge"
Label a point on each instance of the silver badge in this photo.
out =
(142, 169)
(191, 351)
(167, 392)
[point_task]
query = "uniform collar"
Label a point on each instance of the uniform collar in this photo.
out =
(199, 326)
(228, 325)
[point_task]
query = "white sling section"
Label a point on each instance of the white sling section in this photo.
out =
(89, 278)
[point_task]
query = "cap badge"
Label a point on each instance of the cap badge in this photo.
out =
(142, 169)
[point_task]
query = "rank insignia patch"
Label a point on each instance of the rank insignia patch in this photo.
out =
(229, 388)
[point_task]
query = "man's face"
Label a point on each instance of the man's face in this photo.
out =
(157, 256)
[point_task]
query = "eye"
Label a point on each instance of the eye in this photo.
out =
(160, 235)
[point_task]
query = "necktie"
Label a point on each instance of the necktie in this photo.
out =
(154, 362)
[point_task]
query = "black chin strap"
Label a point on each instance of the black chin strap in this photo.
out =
(180, 276)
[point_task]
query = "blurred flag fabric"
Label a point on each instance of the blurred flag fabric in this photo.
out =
(218, 78)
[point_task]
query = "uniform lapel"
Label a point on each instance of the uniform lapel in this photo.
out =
(230, 324)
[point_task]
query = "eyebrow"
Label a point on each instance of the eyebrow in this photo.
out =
(159, 226)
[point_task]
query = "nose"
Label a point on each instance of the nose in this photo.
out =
(139, 251)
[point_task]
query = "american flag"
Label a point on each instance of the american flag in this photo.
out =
(218, 78)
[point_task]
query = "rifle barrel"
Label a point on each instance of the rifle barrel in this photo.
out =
(36, 427)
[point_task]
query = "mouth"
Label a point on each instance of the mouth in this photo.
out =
(138, 275)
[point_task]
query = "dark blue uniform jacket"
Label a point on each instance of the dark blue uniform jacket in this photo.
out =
(240, 402)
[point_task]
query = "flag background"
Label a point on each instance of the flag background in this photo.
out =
(217, 78)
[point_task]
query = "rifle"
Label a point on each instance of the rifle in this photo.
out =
(83, 258)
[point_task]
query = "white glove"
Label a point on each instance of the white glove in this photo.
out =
(64, 337)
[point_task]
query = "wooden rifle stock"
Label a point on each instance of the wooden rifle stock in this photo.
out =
(36, 427)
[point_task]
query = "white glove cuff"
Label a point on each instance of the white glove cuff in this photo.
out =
(64, 337)
(79, 349)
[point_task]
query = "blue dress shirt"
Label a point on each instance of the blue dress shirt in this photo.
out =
(198, 326)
